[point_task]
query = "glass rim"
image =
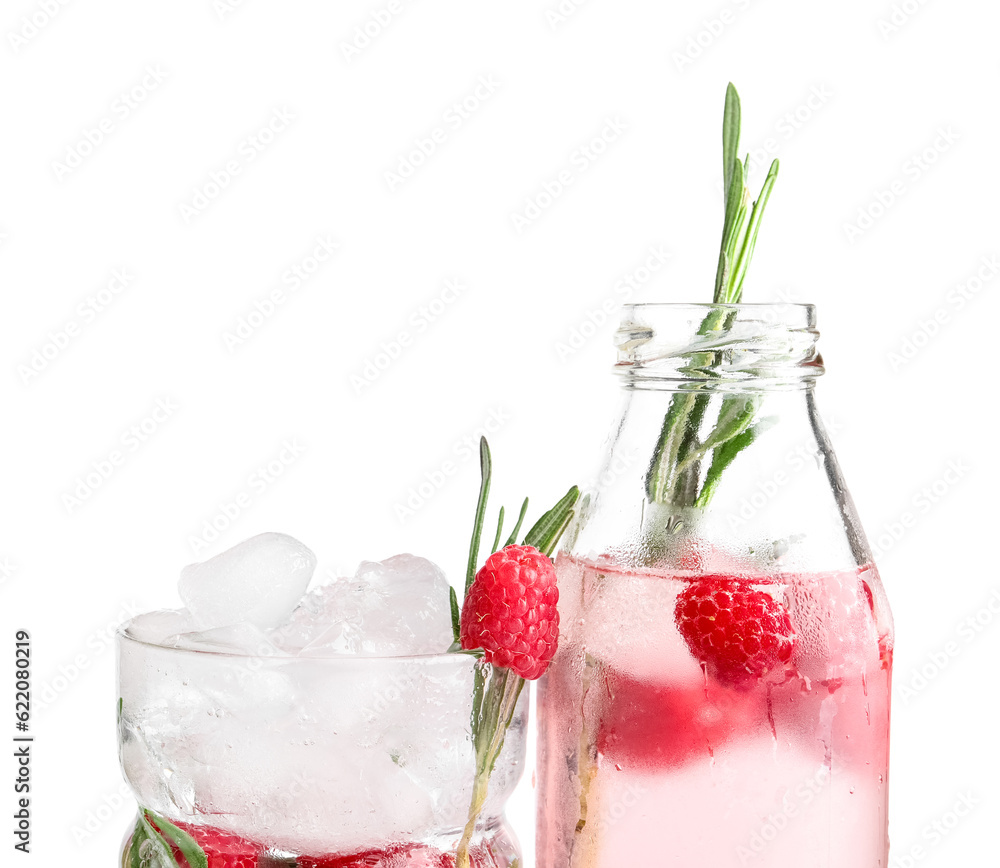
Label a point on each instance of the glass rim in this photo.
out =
(122, 634)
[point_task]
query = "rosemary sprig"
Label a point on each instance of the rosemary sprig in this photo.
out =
(738, 235)
(674, 473)
(163, 836)
(486, 473)
(496, 690)
(496, 539)
(517, 527)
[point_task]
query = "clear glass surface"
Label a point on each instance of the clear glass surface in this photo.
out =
(350, 760)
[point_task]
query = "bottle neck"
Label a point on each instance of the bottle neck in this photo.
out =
(719, 449)
(725, 348)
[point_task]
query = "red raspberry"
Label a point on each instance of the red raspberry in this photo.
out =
(373, 858)
(740, 632)
(222, 849)
(510, 611)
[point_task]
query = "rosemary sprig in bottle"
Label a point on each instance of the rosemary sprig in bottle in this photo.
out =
(675, 474)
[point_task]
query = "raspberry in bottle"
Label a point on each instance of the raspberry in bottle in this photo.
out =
(720, 695)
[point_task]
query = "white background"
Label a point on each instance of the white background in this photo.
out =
(904, 98)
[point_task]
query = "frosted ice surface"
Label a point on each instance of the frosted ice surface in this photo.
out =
(154, 627)
(260, 581)
(395, 607)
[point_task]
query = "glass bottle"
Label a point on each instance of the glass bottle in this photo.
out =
(720, 696)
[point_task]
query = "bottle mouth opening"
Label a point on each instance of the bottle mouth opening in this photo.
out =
(721, 346)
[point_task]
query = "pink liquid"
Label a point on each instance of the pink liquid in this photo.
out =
(225, 850)
(646, 759)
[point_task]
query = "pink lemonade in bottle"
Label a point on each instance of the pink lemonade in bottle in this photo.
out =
(720, 695)
(652, 756)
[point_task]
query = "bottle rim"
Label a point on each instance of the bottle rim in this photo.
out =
(718, 346)
(806, 308)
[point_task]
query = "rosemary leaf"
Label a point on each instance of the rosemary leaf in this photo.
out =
(486, 469)
(517, 527)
